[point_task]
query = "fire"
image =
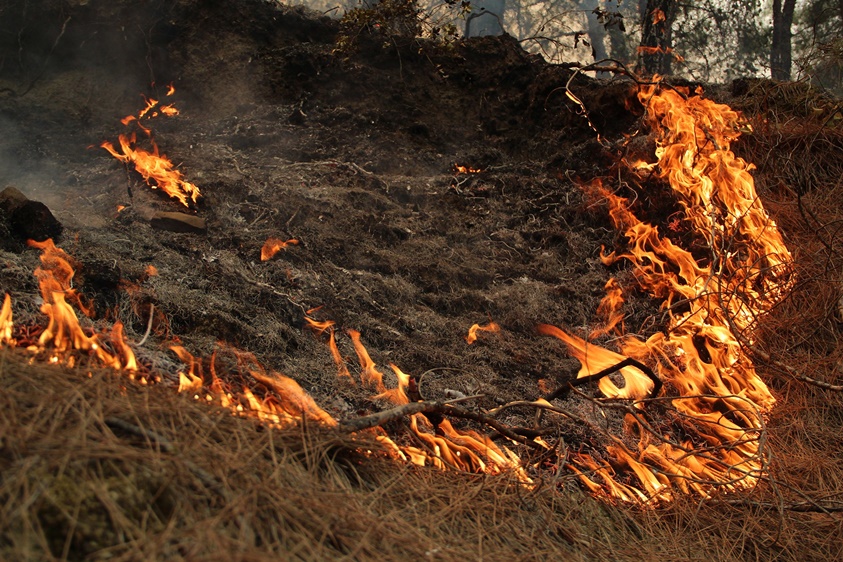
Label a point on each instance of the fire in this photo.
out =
(320, 328)
(466, 169)
(274, 245)
(64, 334)
(610, 310)
(155, 168)
(710, 301)
(6, 322)
(471, 337)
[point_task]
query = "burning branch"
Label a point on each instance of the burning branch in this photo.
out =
(441, 408)
(628, 362)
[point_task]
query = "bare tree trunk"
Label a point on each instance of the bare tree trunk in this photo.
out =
(486, 18)
(781, 56)
(656, 35)
(596, 31)
(617, 40)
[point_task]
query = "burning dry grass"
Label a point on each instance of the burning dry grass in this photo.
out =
(93, 468)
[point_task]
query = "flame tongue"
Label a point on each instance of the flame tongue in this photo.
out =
(719, 397)
(155, 168)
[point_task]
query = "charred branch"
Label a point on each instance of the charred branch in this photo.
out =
(628, 362)
(441, 408)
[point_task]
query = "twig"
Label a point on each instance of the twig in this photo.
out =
(148, 325)
(167, 447)
(799, 507)
(442, 408)
(766, 358)
(160, 440)
(628, 362)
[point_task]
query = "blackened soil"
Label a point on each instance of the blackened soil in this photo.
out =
(351, 153)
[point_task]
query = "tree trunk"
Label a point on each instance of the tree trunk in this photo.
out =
(617, 40)
(655, 50)
(781, 57)
(486, 18)
(596, 31)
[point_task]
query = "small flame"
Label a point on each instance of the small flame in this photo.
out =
(466, 169)
(273, 245)
(155, 168)
(369, 375)
(320, 328)
(610, 310)
(6, 323)
(471, 337)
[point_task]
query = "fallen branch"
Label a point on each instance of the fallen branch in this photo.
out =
(766, 358)
(441, 408)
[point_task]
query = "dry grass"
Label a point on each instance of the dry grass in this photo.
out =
(203, 485)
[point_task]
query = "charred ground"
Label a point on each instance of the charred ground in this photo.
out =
(351, 153)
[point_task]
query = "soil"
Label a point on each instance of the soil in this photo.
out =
(351, 153)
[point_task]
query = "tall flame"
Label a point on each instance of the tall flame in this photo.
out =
(710, 300)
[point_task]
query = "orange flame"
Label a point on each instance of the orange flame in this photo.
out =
(154, 167)
(369, 375)
(471, 337)
(610, 310)
(321, 327)
(63, 332)
(6, 323)
(719, 397)
(273, 245)
(466, 169)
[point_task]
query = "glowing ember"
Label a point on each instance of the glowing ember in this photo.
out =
(274, 245)
(466, 169)
(719, 397)
(471, 337)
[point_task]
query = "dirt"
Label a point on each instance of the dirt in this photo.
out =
(351, 153)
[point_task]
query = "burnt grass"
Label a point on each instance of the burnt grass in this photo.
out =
(353, 154)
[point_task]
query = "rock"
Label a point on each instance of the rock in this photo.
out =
(178, 222)
(27, 219)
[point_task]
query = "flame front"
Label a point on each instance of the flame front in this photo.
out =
(710, 299)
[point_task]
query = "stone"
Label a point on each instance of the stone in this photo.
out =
(178, 222)
(27, 219)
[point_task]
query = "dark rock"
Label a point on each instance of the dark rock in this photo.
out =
(178, 222)
(27, 219)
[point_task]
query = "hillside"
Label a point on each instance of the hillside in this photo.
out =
(421, 188)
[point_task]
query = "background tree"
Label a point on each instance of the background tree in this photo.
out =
(781, 57)
(656, 36)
